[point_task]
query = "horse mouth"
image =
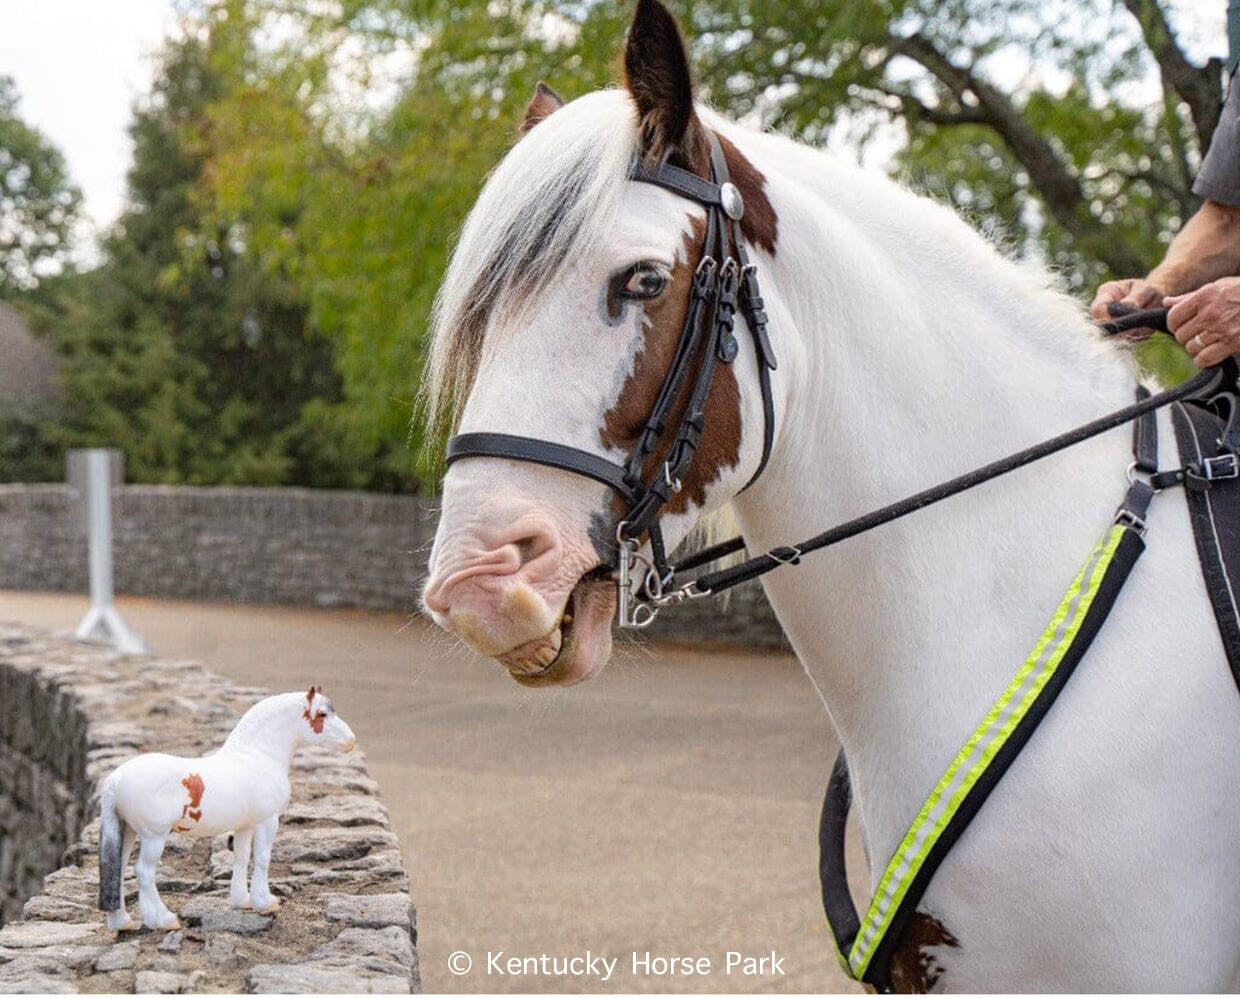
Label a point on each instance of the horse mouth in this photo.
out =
(577, 646)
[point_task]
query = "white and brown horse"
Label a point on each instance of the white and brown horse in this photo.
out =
(240, 788)
(909, 351)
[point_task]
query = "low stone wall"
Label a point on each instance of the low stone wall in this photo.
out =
(69, 713)
(251, 545)
(298, 546)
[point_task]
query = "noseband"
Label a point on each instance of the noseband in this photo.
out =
(724, 279)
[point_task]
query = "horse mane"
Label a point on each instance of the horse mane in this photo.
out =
(261, 715)
(554, 197)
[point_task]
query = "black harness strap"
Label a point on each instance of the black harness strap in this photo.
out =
(842, 916)
(837, 902)
(540, 452)
(1214, 510)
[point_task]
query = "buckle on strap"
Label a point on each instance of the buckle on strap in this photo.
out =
(1220, 467)
(1127, 518)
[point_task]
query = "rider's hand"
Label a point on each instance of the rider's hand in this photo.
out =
(1134, 291)
(1207, 321)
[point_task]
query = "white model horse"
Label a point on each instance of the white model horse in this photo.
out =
(909, 351)
(240, 788)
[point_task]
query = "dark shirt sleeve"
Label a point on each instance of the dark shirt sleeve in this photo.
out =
(1219, 177)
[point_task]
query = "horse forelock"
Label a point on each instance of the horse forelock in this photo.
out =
(554, 197)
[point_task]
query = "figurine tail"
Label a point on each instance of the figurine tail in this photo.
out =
(111, 860)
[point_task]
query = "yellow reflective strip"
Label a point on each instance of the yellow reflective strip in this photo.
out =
(925, 831)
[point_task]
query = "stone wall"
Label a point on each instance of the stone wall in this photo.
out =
(297, 546)
(69, 713)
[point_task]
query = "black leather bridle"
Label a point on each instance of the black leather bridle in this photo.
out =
(724, 279)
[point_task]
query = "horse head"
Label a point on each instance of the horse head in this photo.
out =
(320, 723)
(559, 320)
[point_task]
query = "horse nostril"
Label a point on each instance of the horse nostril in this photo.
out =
(533, 546)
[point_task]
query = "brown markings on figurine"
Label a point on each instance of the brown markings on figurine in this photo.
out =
(191, 812)
(915, 970)
(320, 718)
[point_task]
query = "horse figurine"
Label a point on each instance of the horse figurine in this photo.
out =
(909, 351)
(240, 788)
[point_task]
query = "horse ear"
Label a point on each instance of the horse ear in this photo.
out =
(310, 695)
(543, 105)
(656, 73)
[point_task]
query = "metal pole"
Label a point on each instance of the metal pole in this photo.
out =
(103, 620)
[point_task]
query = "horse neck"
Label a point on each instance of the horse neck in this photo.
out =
(267, 729)
(910, 352)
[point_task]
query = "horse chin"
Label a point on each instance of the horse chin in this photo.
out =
(585, 637)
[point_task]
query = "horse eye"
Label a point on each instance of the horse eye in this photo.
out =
(645, 281)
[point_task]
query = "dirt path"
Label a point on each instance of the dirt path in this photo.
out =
(669, 807)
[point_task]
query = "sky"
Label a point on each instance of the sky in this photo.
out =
(79, 66)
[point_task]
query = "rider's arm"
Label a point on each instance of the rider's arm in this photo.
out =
(1207, 248)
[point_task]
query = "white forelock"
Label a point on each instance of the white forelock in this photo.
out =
(554, 197)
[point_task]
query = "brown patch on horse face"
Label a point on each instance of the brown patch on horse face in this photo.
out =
(719, 447)
(913, 969)
(194, 785)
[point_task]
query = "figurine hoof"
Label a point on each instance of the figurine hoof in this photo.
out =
(271, 909)
(170, 927)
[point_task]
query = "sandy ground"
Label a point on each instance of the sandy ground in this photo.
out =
(669, 807)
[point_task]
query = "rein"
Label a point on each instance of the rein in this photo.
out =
(1204, 385)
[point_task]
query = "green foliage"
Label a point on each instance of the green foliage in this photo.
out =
(360, 205)
(28, 452)
(38, 205)
(363, 208)
(181, 349)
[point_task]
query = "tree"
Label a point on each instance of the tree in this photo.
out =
(180, 349)
(38, 204)
(1012, 109)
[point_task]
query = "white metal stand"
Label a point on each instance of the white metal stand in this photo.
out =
(103, 620)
